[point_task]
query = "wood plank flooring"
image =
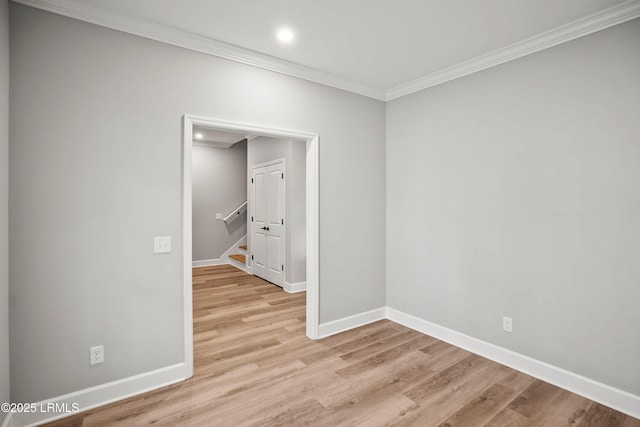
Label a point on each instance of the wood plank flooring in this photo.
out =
(255, 367)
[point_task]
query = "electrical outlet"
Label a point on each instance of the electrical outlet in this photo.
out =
(162, 245)
(218, 216)
(96, 355)
(507, 324)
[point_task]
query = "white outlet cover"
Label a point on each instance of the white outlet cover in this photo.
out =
(162, 245)
(96, 355)
(218, 216)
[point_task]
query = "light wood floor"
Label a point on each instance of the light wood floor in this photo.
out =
(255, 367)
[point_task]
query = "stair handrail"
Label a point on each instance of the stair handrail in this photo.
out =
(236, 213)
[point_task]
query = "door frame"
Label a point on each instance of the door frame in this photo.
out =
(312, 218)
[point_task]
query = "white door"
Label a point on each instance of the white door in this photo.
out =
(267, 225)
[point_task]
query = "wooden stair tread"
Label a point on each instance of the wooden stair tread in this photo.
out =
(243, 247)
(239, 257)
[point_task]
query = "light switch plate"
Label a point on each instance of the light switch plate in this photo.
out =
(162, 245)
(507, 324)
(218, 216)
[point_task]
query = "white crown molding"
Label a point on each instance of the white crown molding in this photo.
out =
(139, 27)
(606, 18)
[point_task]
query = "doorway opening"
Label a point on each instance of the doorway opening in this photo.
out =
(311, 141)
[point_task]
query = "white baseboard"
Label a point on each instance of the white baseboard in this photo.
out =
(293, 288)
(207, 262)
(8, 421)
(346, 323)
(224, 258)
(234, 249)
(609, 396)
(106, 393)
(238, 264)
(100, 395)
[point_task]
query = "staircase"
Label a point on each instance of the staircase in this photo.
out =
(240, 259)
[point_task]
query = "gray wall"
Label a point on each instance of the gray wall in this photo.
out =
(515, 191)
(4, 201)
(219, 186)
(262, 150)
(296, 211)
(96, 174)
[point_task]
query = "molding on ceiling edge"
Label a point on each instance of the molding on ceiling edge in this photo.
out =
(606, 18)
(175, 37)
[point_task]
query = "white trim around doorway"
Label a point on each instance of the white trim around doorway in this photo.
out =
(312, 218)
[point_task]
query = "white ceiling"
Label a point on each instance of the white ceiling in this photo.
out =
(380, 48)
(216, 138)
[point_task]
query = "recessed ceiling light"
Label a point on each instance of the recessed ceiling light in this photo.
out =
(285, 35)
(198, 135)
